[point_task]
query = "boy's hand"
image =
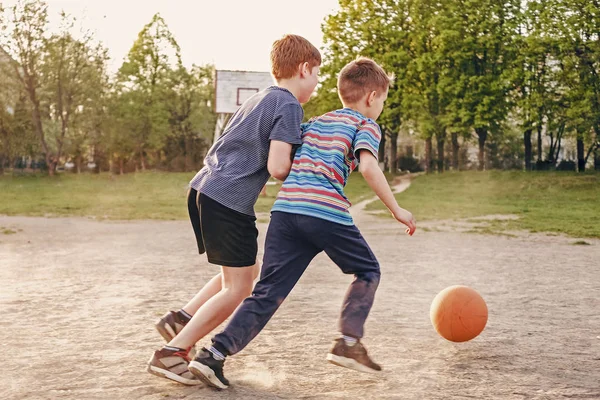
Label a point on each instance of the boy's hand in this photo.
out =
(407, 219)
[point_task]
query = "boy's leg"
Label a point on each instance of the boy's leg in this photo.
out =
(173, 321)
(213, 287)
(287, 254)
(349, 250)
(229, 238)
(237, 285)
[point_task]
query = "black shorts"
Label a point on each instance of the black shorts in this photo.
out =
(228, 237)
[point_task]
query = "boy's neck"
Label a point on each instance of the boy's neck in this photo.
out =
(290, 84)
(361, 108)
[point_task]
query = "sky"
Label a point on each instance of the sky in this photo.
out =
(232, 34)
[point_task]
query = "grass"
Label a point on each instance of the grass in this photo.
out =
(558, 202)
(148, 195)
(581, 243)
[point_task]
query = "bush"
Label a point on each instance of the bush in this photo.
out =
(408, 163)
(567, 165)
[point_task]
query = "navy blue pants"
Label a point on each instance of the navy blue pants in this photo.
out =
(292, 242)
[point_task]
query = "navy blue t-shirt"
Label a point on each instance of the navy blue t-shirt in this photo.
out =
(235, 168)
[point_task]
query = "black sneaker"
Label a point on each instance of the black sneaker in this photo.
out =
(209, 370)
(353, 357)
(172, 364)
(170, 325)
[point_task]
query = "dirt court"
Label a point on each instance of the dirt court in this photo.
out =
(79, 299)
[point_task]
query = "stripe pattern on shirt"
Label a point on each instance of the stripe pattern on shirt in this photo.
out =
(329, 153)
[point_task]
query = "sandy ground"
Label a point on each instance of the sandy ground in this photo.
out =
(79, 299)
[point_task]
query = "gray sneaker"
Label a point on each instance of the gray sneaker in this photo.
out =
(170, 325)
(172, 364)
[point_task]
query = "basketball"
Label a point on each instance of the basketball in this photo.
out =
(458, 313)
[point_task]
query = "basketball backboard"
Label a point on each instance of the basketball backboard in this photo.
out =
(232, 88)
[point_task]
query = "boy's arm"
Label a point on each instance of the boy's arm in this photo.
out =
(279, 162)
(369, 168)
(285, 134)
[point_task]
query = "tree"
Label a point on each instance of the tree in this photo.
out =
(8, 101)
(579, 45)
(478, 46)
(534, 75)
(23, 33)
(423, 101)
(192, 119)
(91, 118)
(374, 29)
(142, 81)
(74, 77)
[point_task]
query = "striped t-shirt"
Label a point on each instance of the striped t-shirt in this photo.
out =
(329, 153)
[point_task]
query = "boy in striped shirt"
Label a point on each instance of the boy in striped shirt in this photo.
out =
(311, 215)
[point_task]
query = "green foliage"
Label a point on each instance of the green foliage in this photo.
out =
(161, 110)
(191, 117)
(142, 84)
(489, 70)
(473, 67)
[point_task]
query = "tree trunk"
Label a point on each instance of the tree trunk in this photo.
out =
(455, 149)
(597, 149)
(381, 151)
(393, 152)
(188, 154)
(557, 151)
(121, 166)
(482, 136)
(580, 154)
(6, 145)
(527, 142)
(539, 141)
(441, 139)
(79, 162)
(142, 160)
(37, 122)
(428, 158)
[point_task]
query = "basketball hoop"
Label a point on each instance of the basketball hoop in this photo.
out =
(232, 88)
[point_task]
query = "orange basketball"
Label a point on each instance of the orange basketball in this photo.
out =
(458, 313)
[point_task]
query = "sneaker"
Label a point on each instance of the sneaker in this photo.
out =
(172, 364)
(170, 325)
(353, 357)
(209, 370)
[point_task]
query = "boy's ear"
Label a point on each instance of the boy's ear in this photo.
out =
(304, 69)
(371, 98)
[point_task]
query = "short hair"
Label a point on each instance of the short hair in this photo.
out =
(360, 77)
(289, 52)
